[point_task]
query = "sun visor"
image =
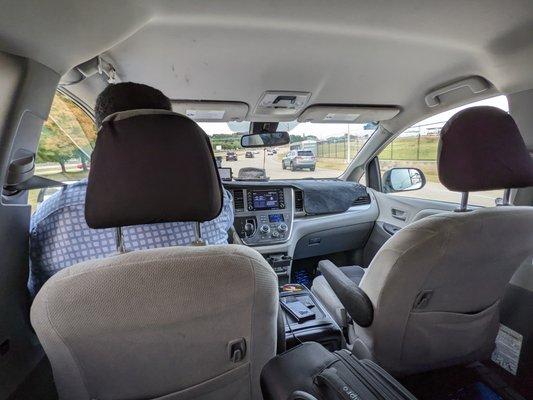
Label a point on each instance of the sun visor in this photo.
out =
(211, 111)
(346, 114)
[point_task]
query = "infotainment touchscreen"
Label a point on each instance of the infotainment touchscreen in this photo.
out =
(265, 200)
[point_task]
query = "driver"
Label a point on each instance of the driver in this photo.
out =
(59, 235)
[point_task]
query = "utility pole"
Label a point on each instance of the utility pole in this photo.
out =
(348, 143)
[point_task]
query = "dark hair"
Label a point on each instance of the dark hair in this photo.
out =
(128, 96)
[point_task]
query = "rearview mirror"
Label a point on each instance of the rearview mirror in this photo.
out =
(403, 180)
(267, 139)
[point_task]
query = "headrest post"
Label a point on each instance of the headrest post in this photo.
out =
(120, 240)
(506, 197)
(464, 202)
(198, 241)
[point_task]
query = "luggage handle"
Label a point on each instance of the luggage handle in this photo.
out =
(331, 379)
(300, 395)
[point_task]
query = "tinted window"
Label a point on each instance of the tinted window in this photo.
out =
(305, 153)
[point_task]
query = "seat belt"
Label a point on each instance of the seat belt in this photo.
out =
(20, 176)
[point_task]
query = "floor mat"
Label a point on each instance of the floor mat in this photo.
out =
(472, 382)
(475, 391)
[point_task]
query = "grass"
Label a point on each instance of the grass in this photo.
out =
(411, 148)
(408, 148)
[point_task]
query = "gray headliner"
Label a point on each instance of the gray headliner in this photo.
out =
(353, 52)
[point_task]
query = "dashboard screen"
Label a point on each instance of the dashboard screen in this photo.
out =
(275, 218)
(265, 199)
(225, 174)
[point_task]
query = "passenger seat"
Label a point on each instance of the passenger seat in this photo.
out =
(194, 322)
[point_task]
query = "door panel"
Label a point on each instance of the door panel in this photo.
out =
(396, 212)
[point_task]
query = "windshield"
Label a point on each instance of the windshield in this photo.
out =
(315, 150)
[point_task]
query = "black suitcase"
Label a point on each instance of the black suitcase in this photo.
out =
(310, 372)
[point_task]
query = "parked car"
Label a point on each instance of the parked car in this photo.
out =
(249, 154)
(231, 156)
(299, 159)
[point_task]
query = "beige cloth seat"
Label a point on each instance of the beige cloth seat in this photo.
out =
(195, 322)
(158, 324)
(430, 297)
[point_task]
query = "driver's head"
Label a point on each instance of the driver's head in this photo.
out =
(128, 96)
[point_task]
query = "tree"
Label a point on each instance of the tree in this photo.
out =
(296, 138)
(55, 146)
(67, 133)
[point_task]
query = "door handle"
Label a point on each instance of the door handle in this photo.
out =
(390, 229)
(398, 214)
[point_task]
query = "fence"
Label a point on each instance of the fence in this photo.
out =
(418, 143)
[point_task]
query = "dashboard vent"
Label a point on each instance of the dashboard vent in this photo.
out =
(298, 201)
(364, 199)
(238, 199)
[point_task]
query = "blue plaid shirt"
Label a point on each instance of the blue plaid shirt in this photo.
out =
(60, 237)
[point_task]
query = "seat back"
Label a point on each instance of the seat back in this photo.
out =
(436, 286)
(175, 323)
(160, 322)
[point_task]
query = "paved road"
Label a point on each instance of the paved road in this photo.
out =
(274, 169)
(435, 191)
(432, 190)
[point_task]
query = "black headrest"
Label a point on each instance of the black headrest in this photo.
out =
(481, 148)
(151, 166)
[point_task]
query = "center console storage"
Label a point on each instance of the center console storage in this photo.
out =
(306, 319)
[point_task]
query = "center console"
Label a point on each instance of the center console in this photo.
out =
(306, 319)
(263, 216)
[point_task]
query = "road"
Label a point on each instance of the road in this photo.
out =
(432, 190)
(273, 167)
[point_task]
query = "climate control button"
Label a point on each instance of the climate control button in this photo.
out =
(283, 227)
(264, 228)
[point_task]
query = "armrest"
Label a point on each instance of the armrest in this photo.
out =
(354, 300)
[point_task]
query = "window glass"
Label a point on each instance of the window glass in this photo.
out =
(316, 150)
(65, 146)
(417, 147)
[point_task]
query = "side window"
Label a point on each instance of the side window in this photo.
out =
(416, 147)
(65, 146)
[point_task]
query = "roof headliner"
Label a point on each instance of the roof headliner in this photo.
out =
(354, 52)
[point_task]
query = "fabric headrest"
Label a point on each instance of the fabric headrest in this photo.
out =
(151, 166)
(481, 148)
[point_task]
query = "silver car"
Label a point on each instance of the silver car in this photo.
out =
(299, 159)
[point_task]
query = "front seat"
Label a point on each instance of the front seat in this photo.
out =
(430, 297)
(174, 323)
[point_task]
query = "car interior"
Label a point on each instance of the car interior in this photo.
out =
(335, 203)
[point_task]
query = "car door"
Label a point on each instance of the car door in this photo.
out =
(412, 156)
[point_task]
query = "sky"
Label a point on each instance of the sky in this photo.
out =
(323, 131)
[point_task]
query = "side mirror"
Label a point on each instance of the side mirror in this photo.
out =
(267, 139)
(403, 180)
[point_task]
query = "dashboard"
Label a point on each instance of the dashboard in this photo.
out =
(271, 217)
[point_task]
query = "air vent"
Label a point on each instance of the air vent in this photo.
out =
(238, 199)
(361, 200)
(298, 201)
